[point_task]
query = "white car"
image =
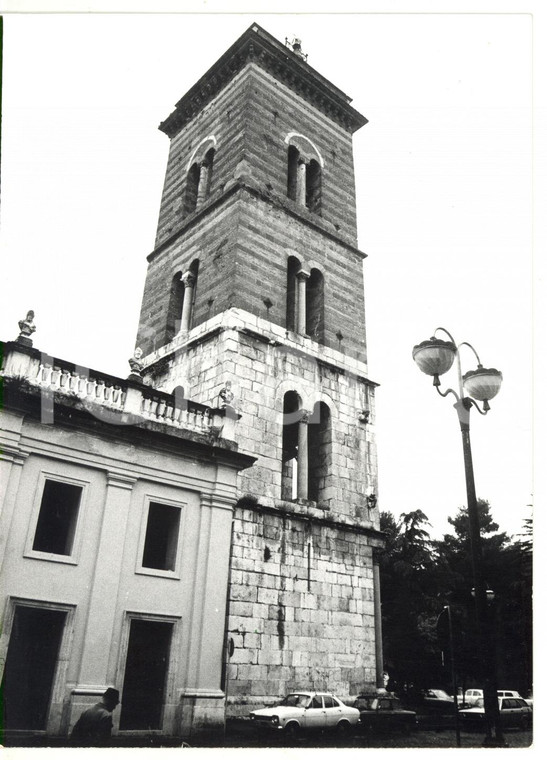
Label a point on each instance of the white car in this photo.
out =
(304, 710)
(472, 697)
(514, 713)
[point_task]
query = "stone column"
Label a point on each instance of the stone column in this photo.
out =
(203, 184)
(301, 182)
(103, 599)
(301, 277)
(379, 650)
(302, 472)
(189, 281)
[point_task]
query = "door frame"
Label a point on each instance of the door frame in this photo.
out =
(58, 687)
(172, 666)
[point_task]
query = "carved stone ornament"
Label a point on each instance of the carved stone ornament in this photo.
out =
(136, 363)
(226, 395)
(26, 328)
(364, 416)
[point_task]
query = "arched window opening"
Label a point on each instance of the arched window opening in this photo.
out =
(174, 307)
(293, 265)
(289, 457)
(181, 302)
(293, 155)
(192, 183)
(304, 173)
(320, 454)
(315, 327)
(313, 187)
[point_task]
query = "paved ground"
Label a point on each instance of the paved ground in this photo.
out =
(242, 734)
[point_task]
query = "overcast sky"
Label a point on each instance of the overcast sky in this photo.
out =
(444, 197)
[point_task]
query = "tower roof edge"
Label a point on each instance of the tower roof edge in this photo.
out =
(258, 46)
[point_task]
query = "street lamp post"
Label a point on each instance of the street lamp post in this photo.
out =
(435, 357)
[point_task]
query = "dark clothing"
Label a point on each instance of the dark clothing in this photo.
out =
(93, 728)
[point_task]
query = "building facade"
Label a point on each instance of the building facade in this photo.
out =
(203, 534)
(115, 529)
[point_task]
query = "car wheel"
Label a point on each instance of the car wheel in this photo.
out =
(292, 730)
(343, 728)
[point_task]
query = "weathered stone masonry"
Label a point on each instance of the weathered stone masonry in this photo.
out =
(301, 609)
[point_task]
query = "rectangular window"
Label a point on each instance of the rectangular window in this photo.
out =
(161, 539)
(57, 518)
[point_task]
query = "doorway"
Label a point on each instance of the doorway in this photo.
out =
(145, 674)
(30, 667)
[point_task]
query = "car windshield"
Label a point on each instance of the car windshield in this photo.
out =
(295, 700)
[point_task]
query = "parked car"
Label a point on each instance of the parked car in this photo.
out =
(514, 713)
(472, 697)
(508, 693)
(384, 713)
(305, 710)
(437, 700)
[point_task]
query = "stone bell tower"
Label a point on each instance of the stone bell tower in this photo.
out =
(254, 300)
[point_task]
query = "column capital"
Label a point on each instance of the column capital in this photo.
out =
(377, 552)
(303, 274)
(120, 481)
(188, 279)
(13, 454)
(304, 416)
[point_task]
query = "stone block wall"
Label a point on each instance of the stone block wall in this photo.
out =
(301, 611)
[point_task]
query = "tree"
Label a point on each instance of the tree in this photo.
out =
(507, 571)
(408, 590)
(419, 576)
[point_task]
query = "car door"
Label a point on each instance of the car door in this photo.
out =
(314, 715)
(384, 713)
(508, 711)
(333, 711)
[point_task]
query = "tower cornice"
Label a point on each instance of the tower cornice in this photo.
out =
(241, 185)
(256, 46)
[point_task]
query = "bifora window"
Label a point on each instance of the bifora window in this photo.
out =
(162, 535)
(58, 517)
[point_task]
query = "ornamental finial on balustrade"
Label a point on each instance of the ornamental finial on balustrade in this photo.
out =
(136, 364)
(26, 328)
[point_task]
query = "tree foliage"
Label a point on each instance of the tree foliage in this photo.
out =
(420, 576)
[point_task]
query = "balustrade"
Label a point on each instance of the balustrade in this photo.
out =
(65, 379)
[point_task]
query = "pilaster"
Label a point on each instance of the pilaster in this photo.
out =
(103, 604)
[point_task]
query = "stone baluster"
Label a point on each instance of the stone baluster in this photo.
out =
(99, 390)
